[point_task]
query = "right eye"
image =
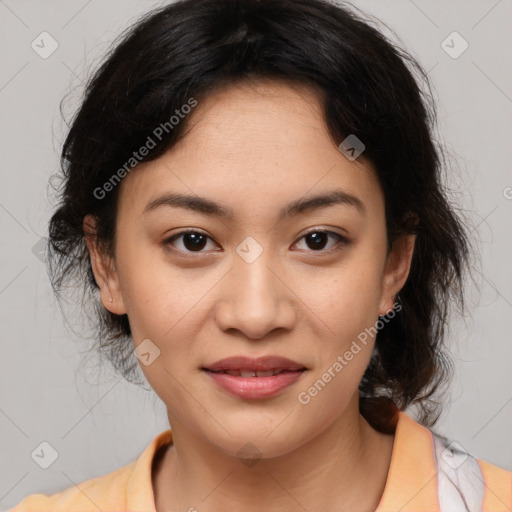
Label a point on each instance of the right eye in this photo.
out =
(191, 241)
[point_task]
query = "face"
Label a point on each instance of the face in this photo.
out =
(256, 276)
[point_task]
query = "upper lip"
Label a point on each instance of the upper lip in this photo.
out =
(258, 364)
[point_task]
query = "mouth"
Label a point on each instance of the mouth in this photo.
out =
(255, 373)
(265, 366)
(248, 378)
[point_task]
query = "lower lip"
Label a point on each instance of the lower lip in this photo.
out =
(255, 387)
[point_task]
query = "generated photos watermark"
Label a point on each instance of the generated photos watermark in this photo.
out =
(304, 397)
(150, 143)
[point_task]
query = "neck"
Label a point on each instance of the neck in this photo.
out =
(328, 472)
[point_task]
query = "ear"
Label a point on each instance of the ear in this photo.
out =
(398, 265)
(104, 269)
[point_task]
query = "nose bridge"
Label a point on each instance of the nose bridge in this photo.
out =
(252, 272)
(257, 301)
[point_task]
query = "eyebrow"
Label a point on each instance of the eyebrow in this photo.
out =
(297, 207)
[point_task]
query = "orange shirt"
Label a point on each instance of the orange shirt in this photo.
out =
(411, 486)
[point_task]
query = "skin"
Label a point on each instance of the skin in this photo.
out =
(254, 148)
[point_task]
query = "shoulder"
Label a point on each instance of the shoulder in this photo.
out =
(495, 473)
(498, 485)
(441, 475)
(127, 488)
(100, 493)
(464, 479)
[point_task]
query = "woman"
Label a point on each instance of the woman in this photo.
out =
(253, 191)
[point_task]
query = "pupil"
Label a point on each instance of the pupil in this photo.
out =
(194, 241)
(317, 239)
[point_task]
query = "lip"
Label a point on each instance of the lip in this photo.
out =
(262, 363)
(255, 387)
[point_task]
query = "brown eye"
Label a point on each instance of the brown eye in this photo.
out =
(191, 241)
(317, 240)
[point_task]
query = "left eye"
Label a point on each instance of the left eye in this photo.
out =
(317, 239)
(195, 241)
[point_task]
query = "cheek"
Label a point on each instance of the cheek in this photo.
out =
(165, 305)
(346, 301)
(156, 295)
(347, 297)
(349, 311)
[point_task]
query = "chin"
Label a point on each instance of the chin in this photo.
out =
(256, 439)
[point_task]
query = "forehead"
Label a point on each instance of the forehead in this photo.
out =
(257, 112)
(264, 139)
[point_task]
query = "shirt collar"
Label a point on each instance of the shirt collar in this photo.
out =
(411, 484)
(139, 487)
(412, 477)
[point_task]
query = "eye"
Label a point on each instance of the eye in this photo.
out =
(195, 241)
(192, 241)
(317, 239)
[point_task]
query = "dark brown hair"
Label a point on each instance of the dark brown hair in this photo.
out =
(369, 87)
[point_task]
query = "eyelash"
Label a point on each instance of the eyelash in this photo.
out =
(342, 241)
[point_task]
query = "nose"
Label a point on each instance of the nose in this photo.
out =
(256, 299)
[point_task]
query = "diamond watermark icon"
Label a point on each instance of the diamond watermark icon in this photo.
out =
(454, 455)
(44, 45)
(39, 249)
(146, 352)
(454, 45)
(44, 455)
(249, 250)
(352, 147)
(249, 454)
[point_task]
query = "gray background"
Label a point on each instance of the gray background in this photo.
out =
(94, 419)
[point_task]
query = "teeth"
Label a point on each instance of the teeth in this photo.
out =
(267, 373)
(252, 373)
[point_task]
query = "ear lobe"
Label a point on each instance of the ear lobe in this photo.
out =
(397, 270)
(104, 270)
